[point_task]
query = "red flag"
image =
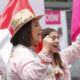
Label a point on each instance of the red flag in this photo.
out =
(75, 25)
(12, 7)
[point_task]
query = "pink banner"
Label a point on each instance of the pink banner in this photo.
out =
(75, 25)
(52, 17)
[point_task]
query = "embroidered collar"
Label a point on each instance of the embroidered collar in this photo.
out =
(45, 58)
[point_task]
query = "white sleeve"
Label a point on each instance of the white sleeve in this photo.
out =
(72, 53)
(34, 71)
(28, 67)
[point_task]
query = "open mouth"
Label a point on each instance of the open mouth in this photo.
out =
(56, 46)
(39, 34)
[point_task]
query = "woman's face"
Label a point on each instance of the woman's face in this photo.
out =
(36, 32)
(55, 38)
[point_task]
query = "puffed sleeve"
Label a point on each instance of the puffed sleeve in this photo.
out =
(28, 66)
(34, 71)
(72, 53)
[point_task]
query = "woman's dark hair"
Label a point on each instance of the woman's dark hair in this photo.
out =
(56, 56)
(23, 36)
(47, 31)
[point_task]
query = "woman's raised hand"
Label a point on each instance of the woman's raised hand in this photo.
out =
(47, 43)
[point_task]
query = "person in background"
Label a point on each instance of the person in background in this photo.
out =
(60, 32)
(61, 38)
(58, 61)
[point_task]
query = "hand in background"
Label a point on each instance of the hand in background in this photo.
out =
(58, 72)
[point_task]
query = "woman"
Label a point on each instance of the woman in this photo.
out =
(23, 63)
(58, 61)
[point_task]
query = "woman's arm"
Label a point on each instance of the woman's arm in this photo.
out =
(72, 53)
(28, 67)
(35, 71)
